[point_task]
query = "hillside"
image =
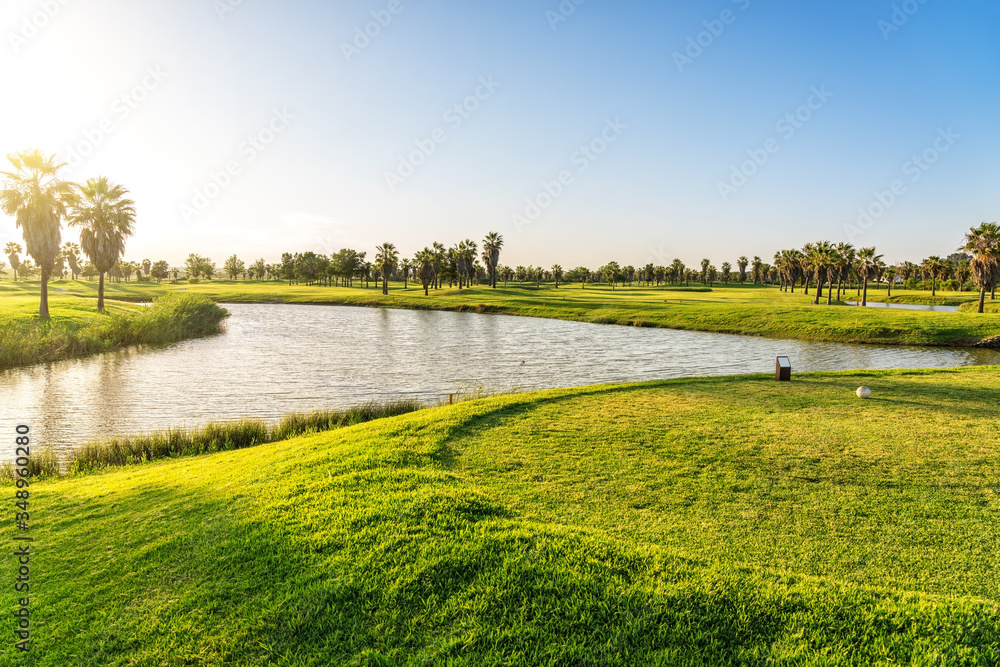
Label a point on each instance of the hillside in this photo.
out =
(721, 521)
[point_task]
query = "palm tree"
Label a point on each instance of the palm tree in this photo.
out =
(611, 272)
(742, 264)
(439, 256)
(424, 265)
(386, 258)
(962, 273)
(868, 268)
(756, 270)
(492, 245)
(37, 198)
(12, 250)
(107, 218)
(405, 267)
(705, 263)
(557, 273)
(983, 243)
(890, 276)
(727, 271)
(821, 261)
(936, 267)
(846, 254)
(71, 251)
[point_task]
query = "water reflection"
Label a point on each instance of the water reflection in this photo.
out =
(906, 306)
(274, 359)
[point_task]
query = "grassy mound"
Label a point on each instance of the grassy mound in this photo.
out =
(77, 329)
(728, 521)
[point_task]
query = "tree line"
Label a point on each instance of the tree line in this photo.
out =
(40, 201)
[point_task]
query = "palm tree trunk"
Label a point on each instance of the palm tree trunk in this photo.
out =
(100, 294)
(864, 299)
(829, 294)
(982, 298)
(43, 307)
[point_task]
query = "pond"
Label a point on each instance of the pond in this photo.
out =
(274, 359)
(906, 306)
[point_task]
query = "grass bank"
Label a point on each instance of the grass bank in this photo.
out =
(76, 328)
(747, 310)
(725, 521)
(225, 436)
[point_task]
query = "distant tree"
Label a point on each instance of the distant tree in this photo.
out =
(234, 266)
(404, 268)
(868, 268)
(935, 268)
(89, 271)
(59, 266)
(200, 267)
(742, 263)
(386, 257)
(610, 272)
(424, 262)
(71, 251)
(557, 274)
(727, 272)
(106, 217)
(160, 270)
(307, 267)
(37, 198)
(983, 243)
(492, 245)
(28, 269)
(12, 250)
(259, 269)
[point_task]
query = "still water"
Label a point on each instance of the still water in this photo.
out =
(906, 306)
(274, 359)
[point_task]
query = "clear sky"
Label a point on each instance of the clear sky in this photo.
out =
(629, 131)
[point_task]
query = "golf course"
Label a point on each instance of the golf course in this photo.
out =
(727, 521)
(747, 310)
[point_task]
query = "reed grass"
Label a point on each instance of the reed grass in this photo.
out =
(225, 436)
(171, 318)
(44, 463)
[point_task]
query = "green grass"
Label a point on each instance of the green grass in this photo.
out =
(725, 521)
(222, 436)
(77, 329)
(747, 310)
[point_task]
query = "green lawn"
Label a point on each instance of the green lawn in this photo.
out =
(700, 522)
(75, 328)
(748, 310)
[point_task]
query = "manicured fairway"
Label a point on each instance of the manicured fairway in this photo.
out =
(722, 521)
(749, 310)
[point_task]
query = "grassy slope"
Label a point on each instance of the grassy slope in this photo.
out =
(722, 521)
(748, 310)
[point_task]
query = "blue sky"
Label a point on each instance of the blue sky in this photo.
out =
(590, 140)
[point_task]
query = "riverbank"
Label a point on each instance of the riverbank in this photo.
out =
(712, 521)
(747, 310)
(76, 329)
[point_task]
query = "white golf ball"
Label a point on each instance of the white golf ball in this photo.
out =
(864, 392)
